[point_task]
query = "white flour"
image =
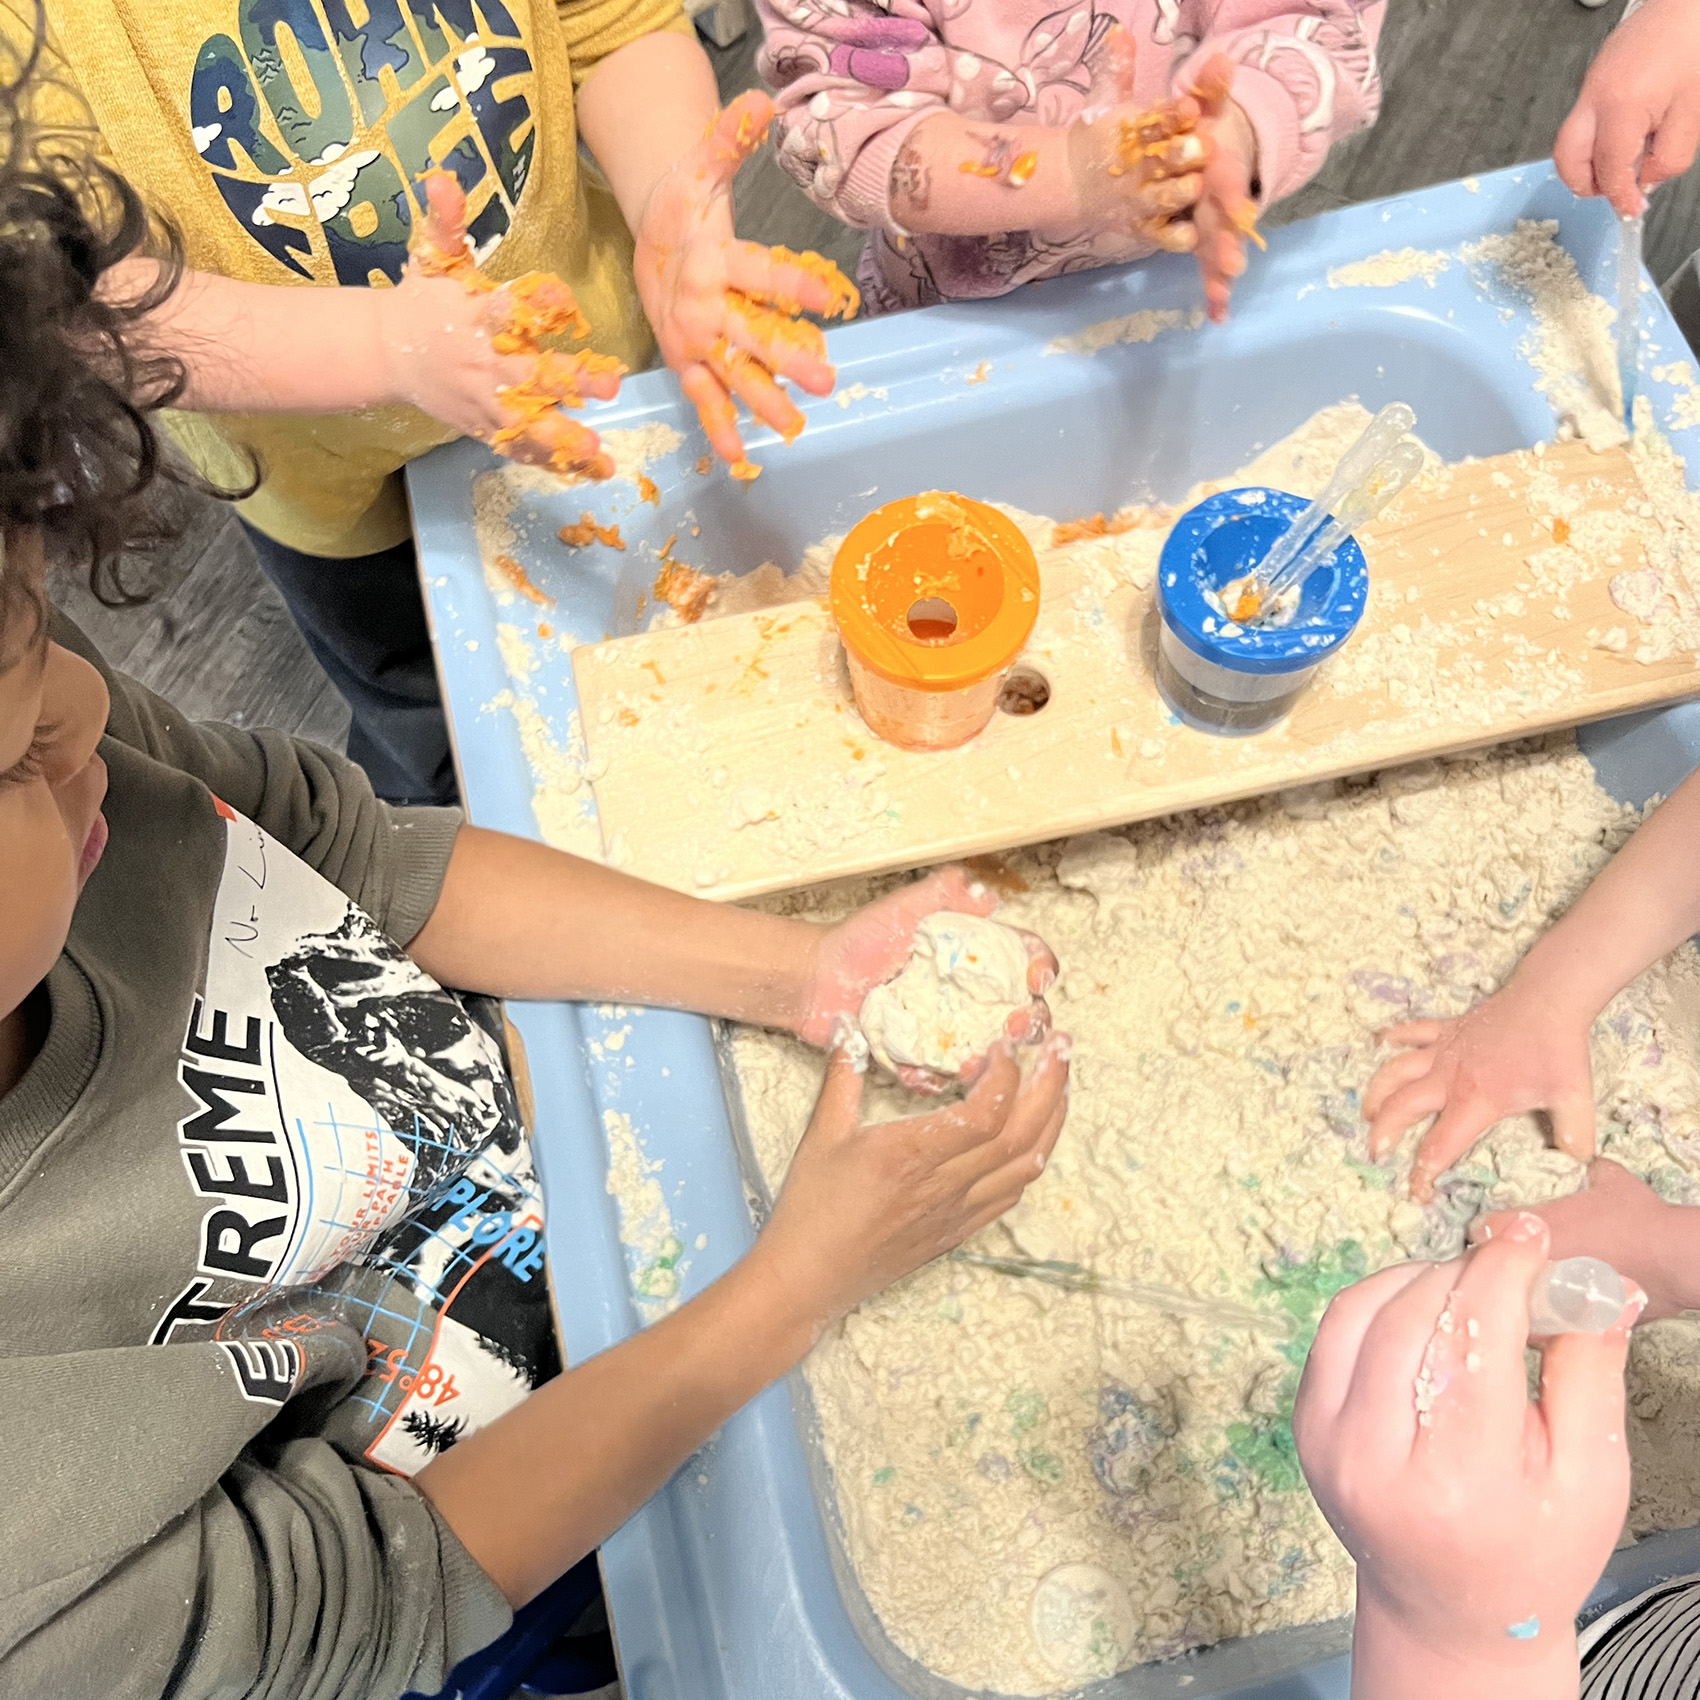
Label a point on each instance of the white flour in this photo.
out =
(984, 1430)
(964, 979)
(1391, 266)
(1144, 326)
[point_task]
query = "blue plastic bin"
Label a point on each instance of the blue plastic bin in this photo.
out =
(729, 1584)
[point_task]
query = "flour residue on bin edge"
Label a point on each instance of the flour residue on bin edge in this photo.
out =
(1144, 326)
(983, 1431)
(1391, 266)
(646, 1224)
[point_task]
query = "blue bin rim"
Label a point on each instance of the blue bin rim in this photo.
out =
(1330, 607)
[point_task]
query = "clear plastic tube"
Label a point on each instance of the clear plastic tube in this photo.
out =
(1576, 1295)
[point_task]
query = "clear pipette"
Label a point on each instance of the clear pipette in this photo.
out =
(1391, 424)
(1627, 331)
(1576, 1295)
(1073, 1278)
(1359, 506)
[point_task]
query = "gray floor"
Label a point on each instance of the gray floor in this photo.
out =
(1470, 85)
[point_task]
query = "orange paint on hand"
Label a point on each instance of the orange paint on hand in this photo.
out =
(846, 299)
(512, 573)
(1245, 222)
(1022, 168)
(974, 168)
(745, 471)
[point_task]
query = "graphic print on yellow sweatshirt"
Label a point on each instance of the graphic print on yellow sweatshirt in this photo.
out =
(287, 139)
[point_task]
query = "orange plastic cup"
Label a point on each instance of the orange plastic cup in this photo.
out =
(934, 597)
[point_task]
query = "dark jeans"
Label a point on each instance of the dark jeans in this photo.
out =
(364, 620)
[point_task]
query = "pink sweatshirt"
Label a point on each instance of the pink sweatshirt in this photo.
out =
(854, 77)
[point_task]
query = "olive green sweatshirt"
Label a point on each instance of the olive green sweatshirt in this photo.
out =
(270, 1238)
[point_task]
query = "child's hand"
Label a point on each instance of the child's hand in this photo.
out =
(1514, 1052)
(466, 352)
(1618, 1218)
(869, 948)
(1479, 1521)
(1137, 171)
(724, 311)
(1642, 93)
(863, 1206)
(1226, 213)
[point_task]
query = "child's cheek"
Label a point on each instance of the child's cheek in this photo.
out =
(38, 864)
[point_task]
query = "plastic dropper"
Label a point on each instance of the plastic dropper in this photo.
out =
(1576, 1295)
(1075, 1279)
(1627, 331)
(1388, 427)
(1357, 508)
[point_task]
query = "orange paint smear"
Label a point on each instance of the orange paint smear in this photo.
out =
(587, 531)
(1140, 138)
(513, 574)
(1561, 530)
(684, 590)
(1245, 222)
(1094, 525)
(973, 168)
(980, 373)
(1022, 168)
(990, 871)
(648, 491)
(769, 323)
(705, 465)
(846, 299)
(745, 471)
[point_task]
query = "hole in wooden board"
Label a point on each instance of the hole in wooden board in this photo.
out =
(931, 620)
(1025, 691)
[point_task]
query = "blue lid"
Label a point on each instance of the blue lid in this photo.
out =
(1223, 538)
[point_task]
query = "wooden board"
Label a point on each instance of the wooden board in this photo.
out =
(728, 759)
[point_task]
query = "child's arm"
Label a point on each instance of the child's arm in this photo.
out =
(517, 919)
(430, 342)
(861, 1207)
(1479, 1520)
(1526, 1047)
(1641, 97)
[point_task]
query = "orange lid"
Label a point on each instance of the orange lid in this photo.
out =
(936, 592)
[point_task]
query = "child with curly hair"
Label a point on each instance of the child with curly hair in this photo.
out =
(983, 143)
(283, 1407)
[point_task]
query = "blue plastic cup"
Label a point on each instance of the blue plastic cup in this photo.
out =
(1230, 679)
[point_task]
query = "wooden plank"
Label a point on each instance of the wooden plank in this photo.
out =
(727, 758)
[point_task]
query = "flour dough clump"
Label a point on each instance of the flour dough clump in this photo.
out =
(965, 977)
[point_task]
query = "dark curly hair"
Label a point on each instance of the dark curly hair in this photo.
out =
(78, 452)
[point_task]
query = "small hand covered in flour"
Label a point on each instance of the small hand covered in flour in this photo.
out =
(1618, 1218)
(1641, 97)
(1479, 1520)
(724, 311)
(873, 945)
(862, 1207)
(466, 351)
(1516, 1051)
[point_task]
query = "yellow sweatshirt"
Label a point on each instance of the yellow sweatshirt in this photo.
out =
(286, 139)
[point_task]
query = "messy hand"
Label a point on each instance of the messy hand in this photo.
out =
(1641, 96)
(1226, 214)
(863, 1206)
(872, 946)
(467, 352)
(1479, 1520)
(1618, 1218)
(1514, 1052)
(1136, 169)
(724, 311)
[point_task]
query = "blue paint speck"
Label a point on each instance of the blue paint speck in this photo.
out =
(1527, 1630)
